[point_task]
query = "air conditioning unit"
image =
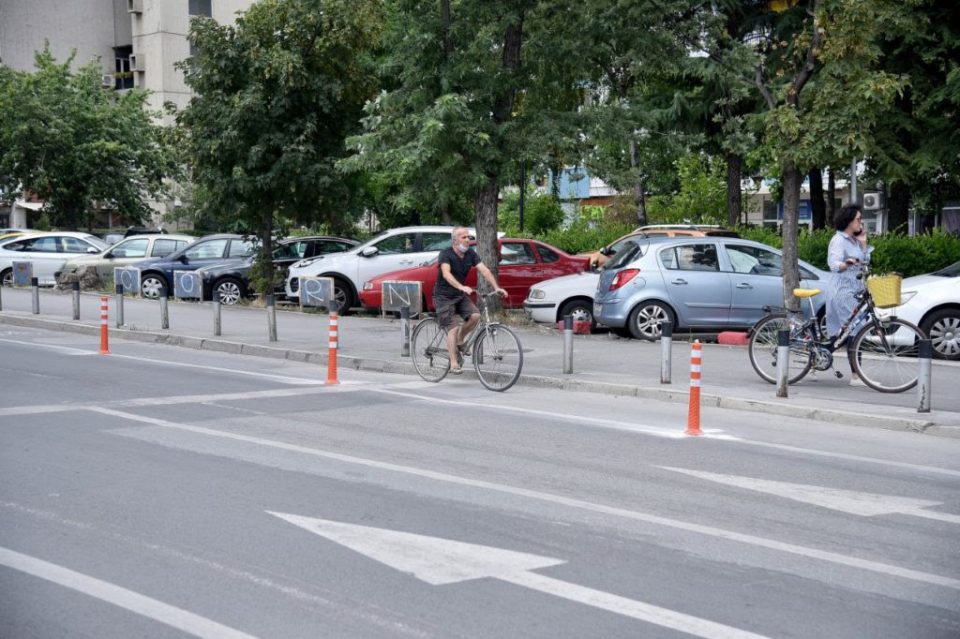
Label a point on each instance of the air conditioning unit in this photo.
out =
(134, 6)
(872, 201)
(137, 62)
(106, 81)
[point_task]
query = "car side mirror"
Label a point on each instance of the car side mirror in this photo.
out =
(92, 251)
(370, 251)
(606, 250)
(184, 259)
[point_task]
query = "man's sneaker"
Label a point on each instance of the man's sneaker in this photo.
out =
(456, 370)
(856, 381)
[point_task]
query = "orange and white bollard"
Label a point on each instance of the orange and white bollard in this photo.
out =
(693, 410)
(332, 352)
(104, 329)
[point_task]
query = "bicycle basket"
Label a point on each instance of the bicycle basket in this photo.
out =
(885, 289)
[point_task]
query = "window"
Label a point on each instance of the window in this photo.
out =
(122, 74)
(41, 245)
(692, 257)
(199, 8)
(436, 241)
(397, 244)
(547, 255)
(242, 248)
(290, 251)
(516, 253)
(758, 261)
(163, 248)
(207, 250)
(74, 245)
(131, 248)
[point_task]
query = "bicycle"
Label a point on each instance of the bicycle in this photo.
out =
(495, 349)
(883, 352)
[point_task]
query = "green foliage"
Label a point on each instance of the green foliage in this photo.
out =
(276, 94)
(541, 213)
(584, 236)
(907, 255)
(702, 198)
(71, 142)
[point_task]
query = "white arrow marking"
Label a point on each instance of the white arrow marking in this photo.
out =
(443, 561)
(849, 501)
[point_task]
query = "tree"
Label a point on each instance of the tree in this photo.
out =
(276, 95)
(73, 143)
(815, 64)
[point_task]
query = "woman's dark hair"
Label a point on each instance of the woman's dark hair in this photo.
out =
(845, 216)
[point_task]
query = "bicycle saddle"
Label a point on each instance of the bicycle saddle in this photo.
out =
(806, 292)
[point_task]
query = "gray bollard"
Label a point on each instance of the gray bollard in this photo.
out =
(404, 331)
(666, 351)
(924, 355)
(216, 316)
(164, 310)
(35, 290)
(783, 361)
(119, 313)
(271, 318)
(568, 344)
(75, 288)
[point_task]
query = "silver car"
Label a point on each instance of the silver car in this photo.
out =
(47, 252)
(127, 251)
(703, 283)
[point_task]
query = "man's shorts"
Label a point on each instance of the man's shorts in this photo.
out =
(449, 307)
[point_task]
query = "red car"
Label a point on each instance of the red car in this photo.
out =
(523, 263)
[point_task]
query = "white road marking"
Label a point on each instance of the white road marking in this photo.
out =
(63, 350)
(848, 501)
(710, 531)
(444, 561)
(118, 596)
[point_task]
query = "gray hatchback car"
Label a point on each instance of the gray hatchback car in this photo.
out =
(702, 283)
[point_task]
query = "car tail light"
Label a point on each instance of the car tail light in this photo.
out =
(623, 277)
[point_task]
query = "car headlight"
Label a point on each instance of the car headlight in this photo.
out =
(368, 286)
(302, 263)
(536, 294)
(906, 296)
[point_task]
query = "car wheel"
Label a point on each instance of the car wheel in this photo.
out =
(6, 278)
(646, 320)
(228, 290)
(943, 329)
(580, 310)
(343, 295)
(152, 286)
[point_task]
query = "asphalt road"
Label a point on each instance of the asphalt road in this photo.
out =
(159, 492)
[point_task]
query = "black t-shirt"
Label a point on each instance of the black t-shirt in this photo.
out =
(459, 268)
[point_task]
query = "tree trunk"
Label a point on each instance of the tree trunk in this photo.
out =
(266, 253)
(831, 199)
(818, 208)
(791, 209)
(485, 208)
(445, 215)
(445, 21)
(639, 199)
(898, 209)
(734, 196)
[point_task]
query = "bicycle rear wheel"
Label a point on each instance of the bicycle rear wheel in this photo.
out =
(763, 350)
(497, 357)
(884, 355)
(428, 350)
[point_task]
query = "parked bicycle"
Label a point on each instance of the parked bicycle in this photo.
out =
(882, 351)
(495, 349)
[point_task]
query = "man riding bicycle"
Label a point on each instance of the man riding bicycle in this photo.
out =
(451, 294)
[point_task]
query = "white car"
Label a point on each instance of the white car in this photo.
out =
(932, 302)
(389, 251)
(551, 300)
(127, 251)
(47, 252)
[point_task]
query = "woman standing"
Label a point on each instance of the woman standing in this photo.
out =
(845, 256)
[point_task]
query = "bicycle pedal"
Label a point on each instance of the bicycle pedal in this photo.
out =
(838, 374)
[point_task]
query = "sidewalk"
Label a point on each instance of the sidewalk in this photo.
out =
(602, 363)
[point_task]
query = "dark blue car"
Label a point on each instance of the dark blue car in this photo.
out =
(156, 275)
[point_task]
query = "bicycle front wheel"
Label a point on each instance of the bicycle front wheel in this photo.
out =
(884, 355)
(763, 350)
(497, 357)
(428, 350)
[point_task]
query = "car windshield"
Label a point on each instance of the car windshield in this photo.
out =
(951, 271)
(628, 252)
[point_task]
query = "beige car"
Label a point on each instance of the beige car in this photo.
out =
(127, 251)
(599, 257)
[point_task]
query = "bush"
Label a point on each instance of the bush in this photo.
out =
(583, 236)
(541, 213)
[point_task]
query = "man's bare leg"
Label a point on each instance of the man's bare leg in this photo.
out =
(452, 336)
(466, 327)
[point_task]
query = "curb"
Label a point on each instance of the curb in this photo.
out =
(675, 396)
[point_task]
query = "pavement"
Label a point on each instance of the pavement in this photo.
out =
(602, 363)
